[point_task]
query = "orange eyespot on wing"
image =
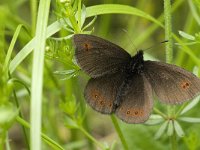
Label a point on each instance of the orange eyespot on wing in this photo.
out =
(100, 93)
(135, 112)
(185, 84)
(171, 84)
(98, 97)
(97, 56)
(87, 46)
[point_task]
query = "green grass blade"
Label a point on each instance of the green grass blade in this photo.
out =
(27, 49)
(10, 49)
(118, 9)
(37, 74)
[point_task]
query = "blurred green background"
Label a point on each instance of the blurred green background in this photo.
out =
(66, 118)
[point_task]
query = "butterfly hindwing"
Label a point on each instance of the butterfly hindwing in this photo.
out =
(136, 105)
(101, 92)
(171, 84)
(97, 56)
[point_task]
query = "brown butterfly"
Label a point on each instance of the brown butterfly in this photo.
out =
(123, 85)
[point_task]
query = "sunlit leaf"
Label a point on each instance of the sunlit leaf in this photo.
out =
(154, 119)
(70, 123)
(161, 130)
(186, 35)
(190, 119)
(170, 128)
(191, 105)
(178, 129)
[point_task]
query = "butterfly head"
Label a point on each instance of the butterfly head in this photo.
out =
(138, 58)
(140, 53)
(136, 63)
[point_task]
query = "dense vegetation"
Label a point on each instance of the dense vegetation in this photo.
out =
(42, 91)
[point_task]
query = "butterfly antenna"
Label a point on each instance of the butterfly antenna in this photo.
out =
(156, 45)
(132, 44)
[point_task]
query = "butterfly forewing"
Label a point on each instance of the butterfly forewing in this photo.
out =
(100, 93)
(137, 104)
(97, 56)
(171, 84)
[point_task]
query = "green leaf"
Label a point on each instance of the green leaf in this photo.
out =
(69, 106)
(191, 105)
(190, 119)
(37, 74)
(161, 130)
(170, 128)
(90, 23)
(10, 49)
(83, 15)
(70, 123)
(186, 35)
(64, 72)
(195, 70)
(178, 129)
(154, 119)
(67, 73)
(27, 49)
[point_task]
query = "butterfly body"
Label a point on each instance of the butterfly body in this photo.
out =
(124, 85)
(134, 66)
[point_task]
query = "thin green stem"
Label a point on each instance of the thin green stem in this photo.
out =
(33, 6)
(160, 113)
(7, 142)
(79, 14)
(168, 36)
(168, 30)
(20, 114)
(187, 50)
(91, 138)
(169, 56)
(180, 109)
(72, 18)
(119, 132)
(173, 141)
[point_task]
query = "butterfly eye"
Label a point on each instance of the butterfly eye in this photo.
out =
(185, 85)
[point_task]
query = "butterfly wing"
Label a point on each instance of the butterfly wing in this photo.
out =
(97, 56)
(100, 93)
(171, 84)
(137, 104)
